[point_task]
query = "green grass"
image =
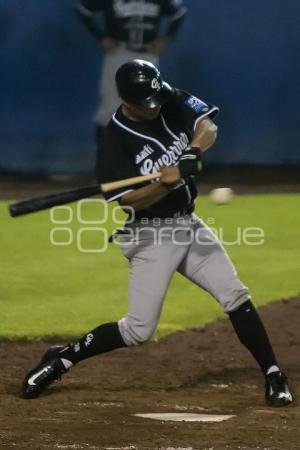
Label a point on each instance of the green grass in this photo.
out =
(48, 290)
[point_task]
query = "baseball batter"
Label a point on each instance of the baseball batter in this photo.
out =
(161, 128)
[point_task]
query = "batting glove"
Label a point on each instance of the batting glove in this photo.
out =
(190, 162)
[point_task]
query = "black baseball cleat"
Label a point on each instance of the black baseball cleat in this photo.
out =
(277, 390)
(51, 353)
(48, 370)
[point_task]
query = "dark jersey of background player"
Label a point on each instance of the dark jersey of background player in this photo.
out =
(135, 22)
(131, 148)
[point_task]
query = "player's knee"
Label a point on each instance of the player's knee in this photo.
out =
(134, 332)
(234, 298)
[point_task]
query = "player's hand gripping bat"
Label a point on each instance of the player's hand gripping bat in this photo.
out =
(38, 204)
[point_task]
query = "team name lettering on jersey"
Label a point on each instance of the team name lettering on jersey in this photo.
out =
(169, 158)
(197, 105)
(124, 9)
(147, 150)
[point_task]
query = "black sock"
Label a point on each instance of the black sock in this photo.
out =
(102, 339)
(251, 332)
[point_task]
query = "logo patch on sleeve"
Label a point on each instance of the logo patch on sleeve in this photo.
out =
(197, 105)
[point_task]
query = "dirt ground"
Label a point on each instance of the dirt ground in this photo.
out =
(200, 370)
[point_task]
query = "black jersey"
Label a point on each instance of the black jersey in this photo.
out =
(135, 22)
(130, 149)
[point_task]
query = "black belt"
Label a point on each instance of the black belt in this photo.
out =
(116, 233)
(141, 49)
(182, 212)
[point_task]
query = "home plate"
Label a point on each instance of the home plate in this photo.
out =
(185, 417)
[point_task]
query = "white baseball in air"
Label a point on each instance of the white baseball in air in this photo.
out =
(221, 196)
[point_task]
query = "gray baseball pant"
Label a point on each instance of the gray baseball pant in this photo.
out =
(156, 252)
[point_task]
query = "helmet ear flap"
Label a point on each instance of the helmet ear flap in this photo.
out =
(140, 82)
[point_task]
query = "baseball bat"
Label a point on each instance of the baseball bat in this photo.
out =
(63, 198)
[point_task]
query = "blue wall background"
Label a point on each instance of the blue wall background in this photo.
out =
(243, 55)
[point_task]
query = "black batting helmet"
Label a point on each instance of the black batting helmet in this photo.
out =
(139, 82)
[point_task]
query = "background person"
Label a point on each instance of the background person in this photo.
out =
(130, 30)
